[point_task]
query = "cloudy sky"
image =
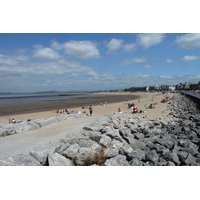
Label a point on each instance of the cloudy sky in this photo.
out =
(31, 62)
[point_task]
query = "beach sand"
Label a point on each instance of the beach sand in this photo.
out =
(140, 99)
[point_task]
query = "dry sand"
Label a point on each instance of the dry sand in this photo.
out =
(24, 142)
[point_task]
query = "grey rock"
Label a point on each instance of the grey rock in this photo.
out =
(41, 153)
(136, 162)
(95, 136)
(19, 160)
(62, 147)
(170, 164)
(126, 149)
(190, 160)
(110, 152)
(152, 156)
(115, 144)
(137, 153)
(55, 159)
(118, 160)
(114, 134)
(171, 156)
(105, 141)
(85, 155)
(71, 151)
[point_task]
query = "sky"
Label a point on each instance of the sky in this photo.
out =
(31, 62)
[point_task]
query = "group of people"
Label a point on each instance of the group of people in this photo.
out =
(12, 120)
(62, 111)
(103, 103)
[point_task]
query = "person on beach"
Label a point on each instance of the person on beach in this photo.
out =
(13, 121)
(66, 111)
(90, 109)
(119, 110)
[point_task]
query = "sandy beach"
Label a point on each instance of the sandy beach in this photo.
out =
(140, 99)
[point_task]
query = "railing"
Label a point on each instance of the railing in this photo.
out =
(192, 93)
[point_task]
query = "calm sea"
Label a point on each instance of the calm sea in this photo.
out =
(23, 99)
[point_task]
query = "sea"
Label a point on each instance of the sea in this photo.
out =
(22, 99)
(19, 103)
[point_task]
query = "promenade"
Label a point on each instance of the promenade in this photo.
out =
(192, 93)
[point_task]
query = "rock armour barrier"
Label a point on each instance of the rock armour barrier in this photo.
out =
(10, 129)
(126, 140)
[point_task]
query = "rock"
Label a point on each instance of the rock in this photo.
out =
(190, 160)
(118, 160)
(110, 152)
(171, 156)
(55, 159)
(71, 151)
(126, 149)
(183, 142)
(137, 153)
(62, 148)
(114, 134)
(93, 135)
(170, 164)
(152, 156)
(115, 144)
(135, 162)
(85, 142)
(105, 141)
(87, 156)
(41, 153)
(182, 156)
(19, 160)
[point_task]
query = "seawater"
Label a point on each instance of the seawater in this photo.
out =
(17, 100)
(23, 99)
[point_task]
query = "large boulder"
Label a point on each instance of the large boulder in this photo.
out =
(41, 153)
(55, 159)
(118, 160)
(137, 153)
(152, 156)
(19, 160)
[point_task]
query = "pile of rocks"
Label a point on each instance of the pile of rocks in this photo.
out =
(14, 128)
(125, 140)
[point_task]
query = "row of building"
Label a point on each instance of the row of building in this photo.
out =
(188, 86)
(180, 86)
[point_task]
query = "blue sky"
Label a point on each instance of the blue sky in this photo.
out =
(31, 62)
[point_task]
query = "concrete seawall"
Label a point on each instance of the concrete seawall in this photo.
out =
(194, 96)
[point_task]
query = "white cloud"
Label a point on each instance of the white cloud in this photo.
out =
(129, 47)
(133, 61)
(7, 60)
(56, 46)
(149, 39)
(46, 54)
(170, 61)
(81, 49)
(22, 58)
(114, 45)
(188, 41)
(190, 58)
(147, 67)
(92, 74)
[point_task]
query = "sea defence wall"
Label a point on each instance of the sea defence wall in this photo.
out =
(193, 95)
